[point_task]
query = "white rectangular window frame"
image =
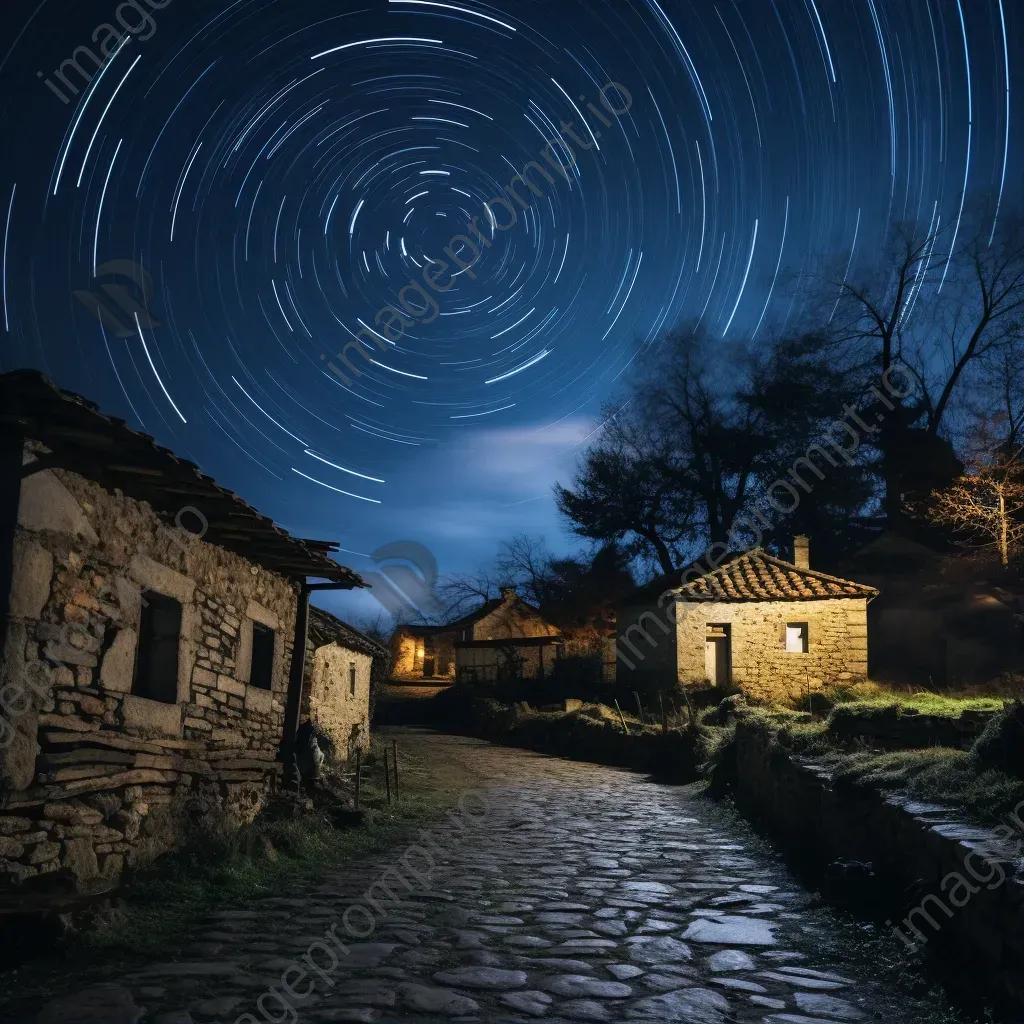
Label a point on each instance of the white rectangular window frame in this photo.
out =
(796, 638)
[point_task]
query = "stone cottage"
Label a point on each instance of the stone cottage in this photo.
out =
(942, 619)
(477, 646)
(340, 663)
(771, 629)
(150, 619)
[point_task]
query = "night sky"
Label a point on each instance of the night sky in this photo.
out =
(285, 171)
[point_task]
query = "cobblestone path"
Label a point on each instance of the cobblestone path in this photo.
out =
(583, 893)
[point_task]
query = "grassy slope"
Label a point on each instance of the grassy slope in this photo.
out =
(938, 774)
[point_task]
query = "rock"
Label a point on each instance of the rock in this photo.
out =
(581, 985)
(659, 950)
(731, 931)
(100, 1004)
(814, 984)
(534, 1003)
(688, 1005)
(624, 971)
(740, 985)
(482, 977)
(827, 1006)
(80, 857)
(731, 960)
(584, 1009)
(437, 1000)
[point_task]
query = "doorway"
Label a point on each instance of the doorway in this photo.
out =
(718, 654)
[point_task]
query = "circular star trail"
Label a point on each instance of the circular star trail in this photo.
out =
(317, 240)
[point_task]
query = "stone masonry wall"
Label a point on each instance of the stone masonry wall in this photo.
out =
(92, 777)
(329, 703)
(762, 668)
(949, 888)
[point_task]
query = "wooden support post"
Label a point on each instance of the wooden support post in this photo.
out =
(295, 677)
(358, 770)
(622, 717)
(640, 708)
(387, 775)
(664, 712)
(394, 757)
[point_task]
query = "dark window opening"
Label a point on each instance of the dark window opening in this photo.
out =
(262, 671)
(352, 678)
(156, 658)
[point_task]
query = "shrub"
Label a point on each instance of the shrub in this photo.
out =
(1001, 744)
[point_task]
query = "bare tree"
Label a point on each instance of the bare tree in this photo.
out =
(987, 505)
(937, 304)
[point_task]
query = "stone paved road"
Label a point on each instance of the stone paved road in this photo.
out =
(584, 893)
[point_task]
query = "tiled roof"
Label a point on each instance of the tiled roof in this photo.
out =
(106, 450)
(325, 628)
(757, 576)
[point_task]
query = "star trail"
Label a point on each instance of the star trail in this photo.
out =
(402, 250)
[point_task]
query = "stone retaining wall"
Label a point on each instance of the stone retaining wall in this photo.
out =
(918, 853)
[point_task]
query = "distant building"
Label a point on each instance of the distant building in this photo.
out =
(942, 619)
(340, 663)
(769, 628)
(504, 637)
(150, 674)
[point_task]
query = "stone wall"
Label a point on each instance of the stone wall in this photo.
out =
(918, 865)
(762, 668)
(328, 700)
(92, 777)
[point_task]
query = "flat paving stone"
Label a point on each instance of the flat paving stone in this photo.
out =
(584, 893)
(659, 950)
(731, 960)
(585, 986)
(482, 977)
(731, 931)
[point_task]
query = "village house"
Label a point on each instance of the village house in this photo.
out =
(771, 629)
(151, 620)
(506, 636)
(341, 662)
(942, 619)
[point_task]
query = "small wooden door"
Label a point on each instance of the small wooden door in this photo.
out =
(716, 658)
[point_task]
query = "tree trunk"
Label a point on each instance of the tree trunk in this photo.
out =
(1004, 554)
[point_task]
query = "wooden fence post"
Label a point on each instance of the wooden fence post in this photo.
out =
(622, 717)
(358, 767)
(387, 775)
(394, 757)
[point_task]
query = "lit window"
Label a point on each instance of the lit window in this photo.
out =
(796, 637)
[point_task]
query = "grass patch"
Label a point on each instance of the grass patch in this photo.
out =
(932, 704)
(941, 775)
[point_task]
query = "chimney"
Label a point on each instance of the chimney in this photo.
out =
(802, 551)
(508, 593)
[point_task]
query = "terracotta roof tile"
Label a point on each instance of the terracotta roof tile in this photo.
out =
(758, 576)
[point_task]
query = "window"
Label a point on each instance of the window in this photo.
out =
(262, 670)
(796, 637)
(156, 657)
(352, 678)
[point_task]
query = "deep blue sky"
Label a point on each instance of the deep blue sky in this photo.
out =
(281, 195)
